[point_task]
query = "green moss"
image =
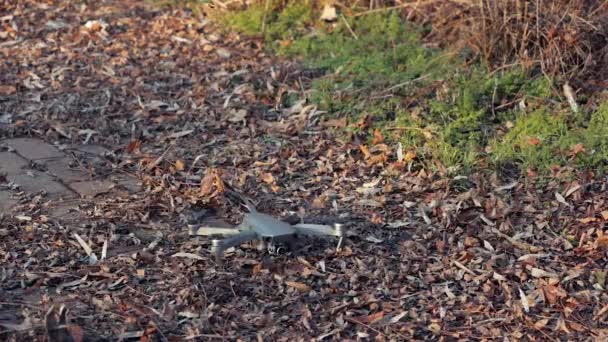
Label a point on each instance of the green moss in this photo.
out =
(596, 138)
(538, 140)
(247, 22)
(276, 20)
(289, 23)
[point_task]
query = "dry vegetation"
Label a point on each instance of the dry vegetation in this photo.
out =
(563, 38)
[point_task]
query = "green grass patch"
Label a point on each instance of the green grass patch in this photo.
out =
(458, 114)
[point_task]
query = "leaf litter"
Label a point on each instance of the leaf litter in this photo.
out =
(196, 113)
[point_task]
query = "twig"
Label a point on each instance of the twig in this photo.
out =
(161, 158)
(206, 336)
(396, 86)
(348, 27)
(264, 18)
(409, 4)
(365, 325)
(494, 98)
(464, 268)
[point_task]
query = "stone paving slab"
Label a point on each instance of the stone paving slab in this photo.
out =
(39, 167)
(92, 188)
(11, 163)
(34, 182)
(62, 169)
(6, 201)
(33, 149)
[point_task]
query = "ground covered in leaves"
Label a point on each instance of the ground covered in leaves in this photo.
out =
(194, 111)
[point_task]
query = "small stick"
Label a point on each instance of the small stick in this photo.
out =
(464, 268)
(348, 27)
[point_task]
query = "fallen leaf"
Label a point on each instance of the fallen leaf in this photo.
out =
(329, 13)
(378, 137)
(377, 159)
(541, 323)
(373, 239)
(299, 286)
(179, 165)
(375, 317)
(538, 273)
(336, 123)
(187, 255)
(576, 149)
(499, 277)
(133, 146)
(23, 326)
(409, 156)
(533, 141)
(553, 293)
(524, 300)
(237, 116)
(207, 183)
(364, 122)
(587, 220)
(365, 151)
(319, 202)
(267, 177)
(219, 184)
(561, 199)
(7, 89)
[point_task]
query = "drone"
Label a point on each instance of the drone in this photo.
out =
(271, 233)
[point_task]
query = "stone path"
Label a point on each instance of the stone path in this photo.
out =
(63, 177)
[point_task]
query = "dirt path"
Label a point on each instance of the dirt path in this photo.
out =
(131, 118)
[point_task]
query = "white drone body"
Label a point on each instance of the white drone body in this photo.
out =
(270, 231)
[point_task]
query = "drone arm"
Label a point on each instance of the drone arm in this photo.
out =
(317, 229)
(321, 229)
(206, 231)
(219, 246)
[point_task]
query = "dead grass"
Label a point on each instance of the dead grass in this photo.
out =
(562, 38)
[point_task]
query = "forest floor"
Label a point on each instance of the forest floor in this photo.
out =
(138, 119)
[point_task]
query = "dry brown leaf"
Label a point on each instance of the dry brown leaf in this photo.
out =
(179, 165)
(133, 146)
(377, 159)
(553, 293)
(576, 149)
(586, 220)
(7, 90)
(219, 184)
(319, 202)
(604, 214)
(534, 141)
(602, 241)
(267, 177)
(541, 324)
(365, 151)
(538, 273)
(364, 122)
(336, 123)
(378, 137)
(299, 286)
(207, 183)
(371, 318)
(377, 219)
